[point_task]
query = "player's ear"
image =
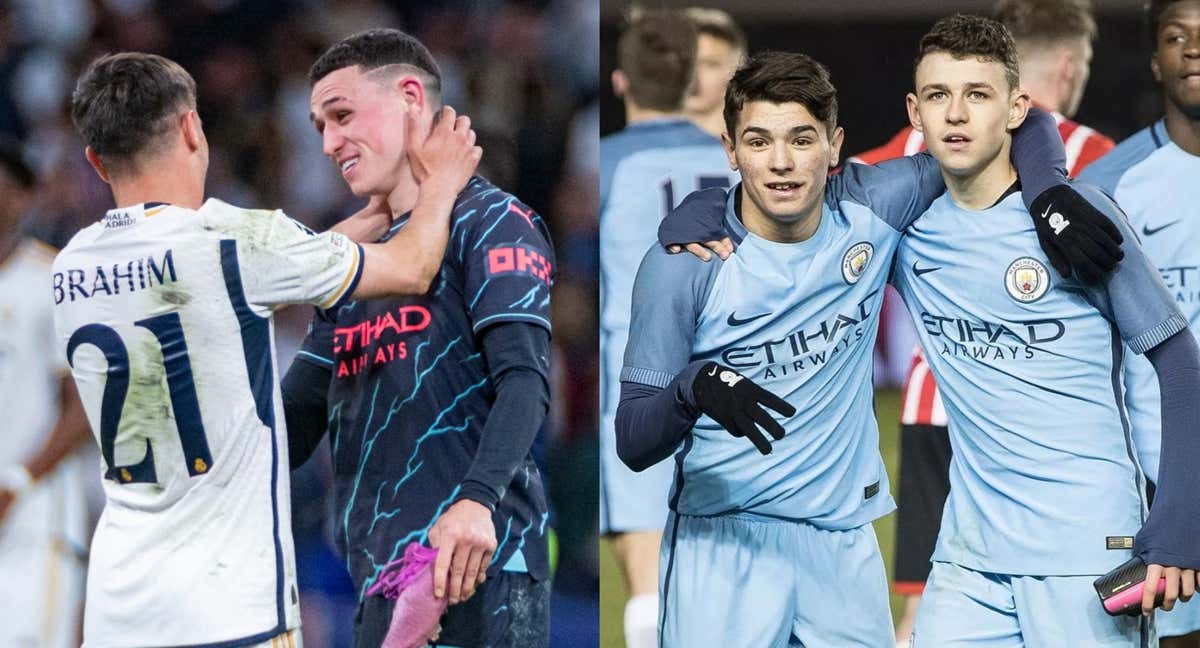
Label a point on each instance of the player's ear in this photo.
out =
(412, 91)
(1066, 67)
(1154, 68)
(835, 146)
(193, 135)
(727, 144)
(1018, 109)
(620, 84)
(914, 117)
(97, 164)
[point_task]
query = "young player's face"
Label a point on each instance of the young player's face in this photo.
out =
(783, 154)
(965, 108)
(1176, 62)
(361, 122)
(716, 61)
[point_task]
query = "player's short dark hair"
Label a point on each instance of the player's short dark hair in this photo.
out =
(14, 164)
(1045, 23)
(781, 77)
(378, 48)
(966, 36)
(718, 24)
(1154, 12)
(657, 53)
(124, 103)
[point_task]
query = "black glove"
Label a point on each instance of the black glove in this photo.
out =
(1075, 235)
(735, 402)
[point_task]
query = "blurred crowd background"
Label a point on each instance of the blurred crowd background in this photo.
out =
(526, 71)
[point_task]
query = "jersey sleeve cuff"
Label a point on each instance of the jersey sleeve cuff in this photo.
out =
(351, 282)
(500, 318)
(479, 493)
(651, 377)
(1157, 335)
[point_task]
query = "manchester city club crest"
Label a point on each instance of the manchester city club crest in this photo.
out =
(1026, 280)
(855, 261)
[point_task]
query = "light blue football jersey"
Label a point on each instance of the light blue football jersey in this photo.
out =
(646, 169)
(1157, 184)
(1044, 480)
(800, 320)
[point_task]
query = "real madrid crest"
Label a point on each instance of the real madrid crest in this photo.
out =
(855, 261)
(1026, 280)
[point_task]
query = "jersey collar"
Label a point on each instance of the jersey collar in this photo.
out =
(125, 216)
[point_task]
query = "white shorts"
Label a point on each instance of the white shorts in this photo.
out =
(43, 563)
(41, 601)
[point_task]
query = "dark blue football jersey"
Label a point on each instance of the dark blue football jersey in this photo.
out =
(410, 390)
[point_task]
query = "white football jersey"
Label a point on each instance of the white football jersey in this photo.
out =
(164, 314)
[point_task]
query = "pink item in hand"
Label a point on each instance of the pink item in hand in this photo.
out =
(409, 582)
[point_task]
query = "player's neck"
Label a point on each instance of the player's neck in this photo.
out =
(403, 197)
(712, 123)
(765, 227)
(979, 190)
(167, 188)
(1183, 131)
(636, 114)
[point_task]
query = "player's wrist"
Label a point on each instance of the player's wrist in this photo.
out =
(16, 479)
(438, 189)
(478, 493)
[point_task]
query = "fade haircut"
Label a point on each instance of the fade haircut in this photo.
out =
(124, 103)
(657, 53)
(385, 50)
(1154, 12)
(719, 25)
(1043, 24)
(963, 36)
(781, 77)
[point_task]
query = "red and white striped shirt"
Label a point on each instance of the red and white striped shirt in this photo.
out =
(922, 403)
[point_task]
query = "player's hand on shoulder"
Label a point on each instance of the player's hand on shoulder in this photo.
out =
(447, 156)
(368, 224)
(723, 248)
(737, 403)
(465, 539)
(1078, 238)
(698, 225)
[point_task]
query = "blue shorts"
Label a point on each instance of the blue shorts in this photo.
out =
(745, 580)
(510, 610)
(630, 501)
(964, 608)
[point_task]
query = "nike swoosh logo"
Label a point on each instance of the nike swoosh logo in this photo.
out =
(920, 271)
(1148, 231)
(734, 321)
